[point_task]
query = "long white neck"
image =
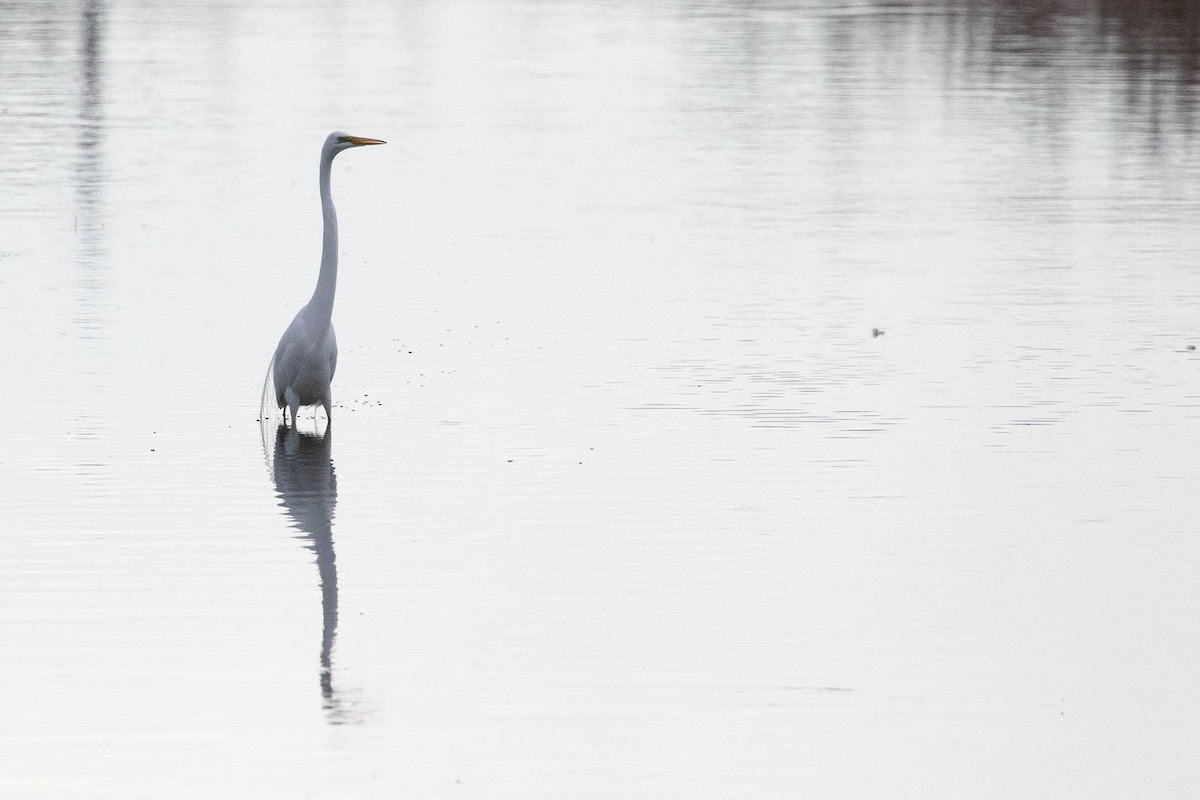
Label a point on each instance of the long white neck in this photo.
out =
(322, 299)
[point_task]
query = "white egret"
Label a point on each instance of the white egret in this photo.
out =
(306, 357)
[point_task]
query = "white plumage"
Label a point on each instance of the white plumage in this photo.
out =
(306, 356)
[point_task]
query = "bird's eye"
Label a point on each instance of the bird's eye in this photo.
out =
(343, 138)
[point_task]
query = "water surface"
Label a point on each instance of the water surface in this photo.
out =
(625, 498)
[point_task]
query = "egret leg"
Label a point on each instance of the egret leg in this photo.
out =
(327, 402)
(293, 401)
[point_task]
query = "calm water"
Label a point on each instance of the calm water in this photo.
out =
(625, 499)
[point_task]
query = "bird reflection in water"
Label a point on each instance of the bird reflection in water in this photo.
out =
(306, 484)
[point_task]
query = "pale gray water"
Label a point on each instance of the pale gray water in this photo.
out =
(625, 500)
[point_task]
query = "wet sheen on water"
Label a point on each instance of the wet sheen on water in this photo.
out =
(733, 400)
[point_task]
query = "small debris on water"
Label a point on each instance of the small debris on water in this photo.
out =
(877, 332)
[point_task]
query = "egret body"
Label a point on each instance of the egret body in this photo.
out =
(306, 357)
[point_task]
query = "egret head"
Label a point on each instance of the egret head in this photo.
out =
(338, 141)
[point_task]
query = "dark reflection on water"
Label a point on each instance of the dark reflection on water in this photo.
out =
(1002, 133)
(306, 484)
(89, 168)
(89, 174)
(1149, 48)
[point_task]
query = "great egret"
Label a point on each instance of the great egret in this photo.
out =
(306, 357)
